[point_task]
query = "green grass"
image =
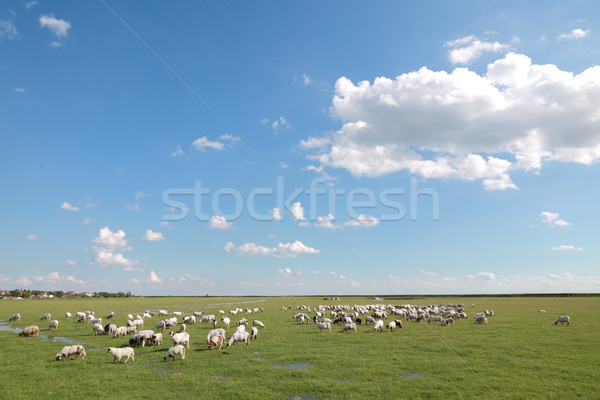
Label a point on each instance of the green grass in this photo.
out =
(519, 354)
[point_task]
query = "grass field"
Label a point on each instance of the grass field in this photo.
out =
(519, 354)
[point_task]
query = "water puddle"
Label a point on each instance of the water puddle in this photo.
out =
(221, 378)
(6, 328)
(61, 339)
(412, 375)
(292, 366)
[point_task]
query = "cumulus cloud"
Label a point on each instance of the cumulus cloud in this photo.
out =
(297, 211)
(363, 221)
(58, 27)
(553, 219)
(326, 222)
(151, 236)
(286, 272)
(30, 237)
(283, 250)
(108, 247)
(276, 213)
(464, 50)
(54, 279)
(68, 207)
(153, 278)
(223, 142)
(577, 33)
(567, 247)
(219, 222)
(462, 125)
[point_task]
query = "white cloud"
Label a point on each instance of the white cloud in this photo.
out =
(265, 121)
(151, 236)
(203, 143)
(297, 211)
(565, 247)
(306, 79)
(30, 4)
(467, 49)
(283, 250)
(326, 222)
(71, 263)
(552, 219)
(428, 273)
(58, 27)
(177, 152)
(133, 269)
(283, 165)
(219, 222)
(577, 33)
(141, 195)
(164, 223)
(276, 213)
(286, 272)
(22, 281)
(279, 124)
(132, 207)
(363, 221)
(489, 276)
(8, 30)
(54, 279)
(462, 125)
(106, 246)
(30, 237)
(67, 206)
(16, 90)
(153, 278)
(87, 221)
(316, 272)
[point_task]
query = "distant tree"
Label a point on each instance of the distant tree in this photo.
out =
(59, 293)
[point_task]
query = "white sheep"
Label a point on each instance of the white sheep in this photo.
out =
(435, 318)
(391, 326)
(68, 315)
(67, 351)
(215, 332)
(240, 329)
(239, 337)
(226, 321)
(120, 331)
(182, 327)
(79, 315)
(163, 312)
(97, 328)
(378, 326)
(119, 353)
(323, 325)
(110, 315)
(173, 351)
(258, 323)
(181, 338)
(156, 339)
(110, 329)
(349, 327)
(15, 317)
(176, 313)
(562, 319)
(542, 310)
(129, 317)
(32, 330)
(242, 321)
(197, 313)
(190, 320)
(81, 318)
(46, 316)
(369, 319)
(131, 329)
(216, 340)
(53, 325)
(171, 322)
(481, 319)
(254, 333)
(146, 316)
(96, 321)
(138, 340)
(161, 325)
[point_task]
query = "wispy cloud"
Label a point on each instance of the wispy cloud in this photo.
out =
(31, 237)
(58, 27)
(553, 219)
(567, 247)
(8, 30)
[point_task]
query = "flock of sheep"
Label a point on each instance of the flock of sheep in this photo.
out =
(139, 338)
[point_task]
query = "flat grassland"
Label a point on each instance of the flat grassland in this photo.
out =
(519, 354)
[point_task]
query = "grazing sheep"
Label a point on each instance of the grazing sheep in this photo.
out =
(242, 321)
(53, 325)
(226, 321)
(170, 322)
(369, 319)
(182, 328)
(176, 313)
(449, 321)
(349, 327)
(258, 323)
(119, 353)
(391, 326)
(481, 319)
(163, 312)
(129, 317)
(156, 339)
(120, 331)
(215, 332)
(239, 337)
(241, 329)
(435, 318)
(254, 333)
(131, 329)
(96, 321)
(562, 319)
(110, 315)
(110, 329)
(67, 351)
(323, 325)
(161, 325)
(46, 316)
(173, 351)
(181, 338)
(190, 320)
(542, 310)
(97, 328)
(147, 316)
(15, 317)
(81, 318)
(216, 340)
(68, 315)
(138, 340)
(378, 326)
(197, 313)
(30, 331)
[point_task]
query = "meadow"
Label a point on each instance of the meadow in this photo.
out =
(519, 354)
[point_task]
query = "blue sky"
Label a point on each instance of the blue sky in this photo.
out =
(450, 148)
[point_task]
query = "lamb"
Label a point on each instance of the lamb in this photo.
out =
(254, 333)
(138, 340)
(146, 316)
(119, 353)
(173, 351)
(258, 323)
(46, 316)
(81, 318)
(68, 315)
(53, 325)
(67, 351)
(391, 326)
(239, 337)
(15, 317)
(110, 329)
(226, 321)
(97, 328)
(182, 327)
(349, 327)
(216, 340)
(181, 338)
(562, 319)
(378, 326)
(323, 325)
(120, 331)
(30, 331)
(110, 315)
(156, 339)
(215, 332)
